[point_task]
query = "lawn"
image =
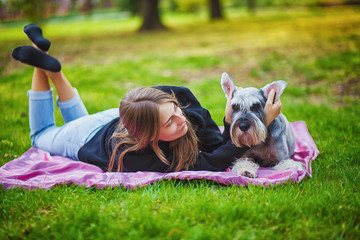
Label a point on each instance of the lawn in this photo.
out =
(317, 51)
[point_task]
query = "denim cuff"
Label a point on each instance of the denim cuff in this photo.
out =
(69, 103)
(40, 95)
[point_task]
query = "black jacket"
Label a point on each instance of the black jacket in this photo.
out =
(216, 149)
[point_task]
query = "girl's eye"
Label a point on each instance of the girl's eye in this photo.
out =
(168, 124)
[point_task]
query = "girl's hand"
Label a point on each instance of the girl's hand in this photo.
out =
(272, 109)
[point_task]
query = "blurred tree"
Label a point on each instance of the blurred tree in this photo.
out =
(251, 5)
(171, 5)
(132, 6)
(87, 7)
(151, 15)
(106, 3)
(189, 5)
(2, 11)
(73, 6)
(213, 6)
(215, 9)
(32, 10)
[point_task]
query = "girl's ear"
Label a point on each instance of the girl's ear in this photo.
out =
(278, 86)
(227, 84)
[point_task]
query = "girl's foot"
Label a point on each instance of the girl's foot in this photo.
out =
(34, 32)
(36, 58)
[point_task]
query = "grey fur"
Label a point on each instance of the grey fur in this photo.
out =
(268, 146)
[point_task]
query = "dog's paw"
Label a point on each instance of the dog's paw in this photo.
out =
(249, 174)
(245, 173)
(288, 164)
(245, 167)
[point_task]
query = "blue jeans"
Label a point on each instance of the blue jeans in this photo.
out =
(78, 129)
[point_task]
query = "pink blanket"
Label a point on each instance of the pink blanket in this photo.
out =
(38, 169)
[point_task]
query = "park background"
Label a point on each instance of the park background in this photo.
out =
(109, 47)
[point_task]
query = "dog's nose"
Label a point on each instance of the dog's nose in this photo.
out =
(244, 125)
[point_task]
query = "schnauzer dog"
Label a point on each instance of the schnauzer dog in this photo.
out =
(270, 146)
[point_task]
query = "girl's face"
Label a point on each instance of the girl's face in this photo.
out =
(172, 122)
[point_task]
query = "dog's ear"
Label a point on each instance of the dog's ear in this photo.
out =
(227, 84)
(279, 87)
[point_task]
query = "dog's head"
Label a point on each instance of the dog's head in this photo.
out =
(248, 121)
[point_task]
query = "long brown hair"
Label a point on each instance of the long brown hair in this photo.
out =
(139, 126)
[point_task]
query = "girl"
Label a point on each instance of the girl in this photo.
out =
(157, 129)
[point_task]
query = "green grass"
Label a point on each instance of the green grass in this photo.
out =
(315, 51)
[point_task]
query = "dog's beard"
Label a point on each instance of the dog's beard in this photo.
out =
(255, 135)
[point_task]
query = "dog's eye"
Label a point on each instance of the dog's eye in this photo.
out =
(255, 106)
(235, 107)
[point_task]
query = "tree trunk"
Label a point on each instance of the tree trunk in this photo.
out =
(251, 4)
(151, 15)
(215, 9)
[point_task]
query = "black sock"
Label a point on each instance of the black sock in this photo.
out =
(36, 58)
(34, 32)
